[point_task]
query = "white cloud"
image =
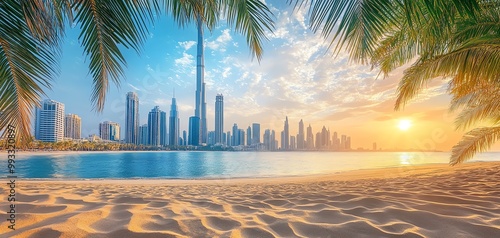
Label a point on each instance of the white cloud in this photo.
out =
(186, 45)
(221, 41)
(134, 87)
(186, 60)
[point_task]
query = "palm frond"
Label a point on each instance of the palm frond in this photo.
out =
(46, 19)
(27, 65)
(475, 141)
(105, 25)
(477, 59)
(185, 12)
(489, 108)
(471, 92)
(361, 24)
(251, 18)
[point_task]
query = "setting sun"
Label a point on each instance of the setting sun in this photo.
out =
(404, 124)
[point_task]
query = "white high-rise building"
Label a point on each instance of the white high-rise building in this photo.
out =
(72, 126)
(49, 121)
(132, 119)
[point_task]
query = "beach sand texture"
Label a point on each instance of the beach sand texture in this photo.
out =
(417, 201)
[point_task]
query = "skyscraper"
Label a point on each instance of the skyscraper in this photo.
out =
(325, 138)
(72, 126)
(267, 139)
(211, 138)
(343, 142)
(219, 118)
(109, 130)
(229, 138)
(184, 137)
(200, 108)
(157, 127)
(310, 138)
(194, 131)
(49, 121)
(293, 145)
(300, 136)
(274, 142)
(255, 133)
(249, 135)
(143, 134)
(132, 118)
(286, 134)
(241, 137)
(235, 141)
(173, 124)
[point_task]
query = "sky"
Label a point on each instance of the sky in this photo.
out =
(298, 77)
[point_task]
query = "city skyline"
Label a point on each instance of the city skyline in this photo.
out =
(297, 76)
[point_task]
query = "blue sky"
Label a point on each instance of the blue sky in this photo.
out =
(298, 77)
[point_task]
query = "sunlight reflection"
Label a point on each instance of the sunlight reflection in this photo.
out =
(405, 158)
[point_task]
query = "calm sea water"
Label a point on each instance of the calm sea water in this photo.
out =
(215, 164)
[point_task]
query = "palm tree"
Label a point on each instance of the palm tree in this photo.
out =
(457, 40)
(31, 33)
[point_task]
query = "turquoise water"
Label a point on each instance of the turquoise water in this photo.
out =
(188, 164)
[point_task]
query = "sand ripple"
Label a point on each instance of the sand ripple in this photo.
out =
(428, 201)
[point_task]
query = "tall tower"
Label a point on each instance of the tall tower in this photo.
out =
(173, 124)
(286, 134)
(249, 135)
(219, 118)
(310, 138)
(132, 119)
(49, 121)
(157, 127)
(72, 126)
(255, 133)
(201, 105)
(143, 134)
(300, 136)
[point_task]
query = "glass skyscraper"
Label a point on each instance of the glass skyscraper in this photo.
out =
(132, 118)
(219, 118)
(157, 127)
(173, 124)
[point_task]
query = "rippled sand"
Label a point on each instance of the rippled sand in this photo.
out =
(420, 201)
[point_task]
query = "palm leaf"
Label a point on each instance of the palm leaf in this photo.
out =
(185, 12)
(27, 65)
(45, 19)
(251, 18)
(477, 59)
(475, 141)
(105, 25)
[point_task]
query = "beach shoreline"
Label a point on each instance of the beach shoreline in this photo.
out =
(415, 201)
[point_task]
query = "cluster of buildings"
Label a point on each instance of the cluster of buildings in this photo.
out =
(53, 125)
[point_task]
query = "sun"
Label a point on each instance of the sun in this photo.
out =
(404, 124)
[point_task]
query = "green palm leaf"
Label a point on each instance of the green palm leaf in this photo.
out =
(251, 18)
(105, 25)
(27, 66)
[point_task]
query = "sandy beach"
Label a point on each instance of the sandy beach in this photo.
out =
(414, 201)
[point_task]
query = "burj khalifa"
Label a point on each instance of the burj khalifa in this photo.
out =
(198, 122)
